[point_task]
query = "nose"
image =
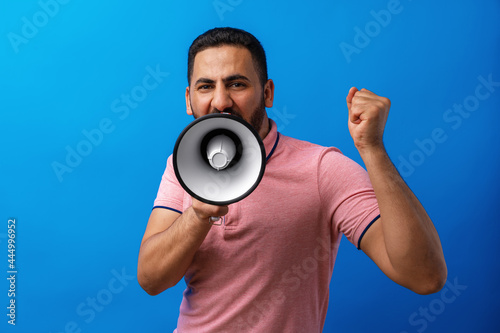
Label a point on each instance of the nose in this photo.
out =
(221, 99)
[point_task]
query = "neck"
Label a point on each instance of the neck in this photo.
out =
(265, 128)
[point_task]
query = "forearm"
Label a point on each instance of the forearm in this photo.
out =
(165, 256)
(411, 240)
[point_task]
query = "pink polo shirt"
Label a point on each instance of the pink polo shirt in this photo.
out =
(268, 268)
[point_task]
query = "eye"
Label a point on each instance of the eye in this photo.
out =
(237, 85)
(204, 87)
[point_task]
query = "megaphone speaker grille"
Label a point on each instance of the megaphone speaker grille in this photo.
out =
(203, 179)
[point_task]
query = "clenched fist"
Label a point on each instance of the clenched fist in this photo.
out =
(205, 211)
(367, 117)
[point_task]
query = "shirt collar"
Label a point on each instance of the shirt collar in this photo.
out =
(271, 139)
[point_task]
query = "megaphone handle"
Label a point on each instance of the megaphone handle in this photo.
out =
(217, 220)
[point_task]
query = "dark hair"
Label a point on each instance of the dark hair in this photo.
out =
(230, 36)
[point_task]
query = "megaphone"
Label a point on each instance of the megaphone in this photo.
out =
(219, 159)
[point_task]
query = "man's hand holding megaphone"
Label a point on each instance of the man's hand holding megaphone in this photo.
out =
(208, 213)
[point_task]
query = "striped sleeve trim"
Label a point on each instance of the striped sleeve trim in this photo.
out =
(364, 231)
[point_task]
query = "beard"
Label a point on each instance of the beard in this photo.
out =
(255, 120)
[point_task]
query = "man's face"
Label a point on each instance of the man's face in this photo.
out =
(224, 79)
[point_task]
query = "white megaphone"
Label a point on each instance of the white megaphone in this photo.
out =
(219, 159)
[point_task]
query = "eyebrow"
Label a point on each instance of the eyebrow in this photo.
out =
(225, 80)
(235, 77)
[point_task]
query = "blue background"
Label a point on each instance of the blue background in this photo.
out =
(64, 68)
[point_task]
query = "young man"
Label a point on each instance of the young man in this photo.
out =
(268, 268)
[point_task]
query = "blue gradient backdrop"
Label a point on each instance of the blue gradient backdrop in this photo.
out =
(80, 164)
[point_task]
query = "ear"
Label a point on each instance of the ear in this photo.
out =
(188, 104)
(269, 93)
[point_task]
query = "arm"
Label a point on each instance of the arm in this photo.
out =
(404, 242)
(170, 243)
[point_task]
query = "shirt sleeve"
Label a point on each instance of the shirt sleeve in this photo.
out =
(170, 194)
(347, 195)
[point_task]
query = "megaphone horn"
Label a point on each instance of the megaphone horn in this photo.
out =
(219, 159)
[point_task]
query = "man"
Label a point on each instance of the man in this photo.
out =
(268, 268)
